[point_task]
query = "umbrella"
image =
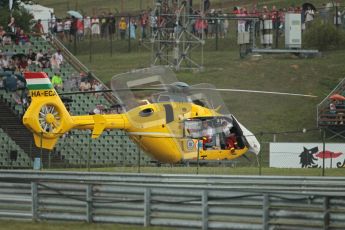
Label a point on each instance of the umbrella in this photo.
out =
(306, 5)
(75, 14)
(337, 97)
(328, 154)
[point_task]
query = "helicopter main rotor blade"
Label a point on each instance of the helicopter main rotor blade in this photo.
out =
(189, 89)
(258, 91)
(110, 90)
(186, 87)
(86, 92)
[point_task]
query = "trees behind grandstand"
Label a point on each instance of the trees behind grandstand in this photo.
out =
(324, 36)
(22, 17)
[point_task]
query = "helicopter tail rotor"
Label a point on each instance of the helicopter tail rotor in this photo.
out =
(47, 116)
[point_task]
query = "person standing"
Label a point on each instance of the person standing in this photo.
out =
(309, 16)
(60, 29)
(58, 57)
(143, 23)
(12, 26)
(95, 29)
(67, 28)
(38, 28)
(111, 25)
(87, 26)
(132, 26)
(122, 28)
(73, 29)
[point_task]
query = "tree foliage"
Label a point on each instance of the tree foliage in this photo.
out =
(324, 36)
(23, 17)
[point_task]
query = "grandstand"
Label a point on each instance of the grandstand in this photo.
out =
(333, 121)
(75, 148)
(8, 147)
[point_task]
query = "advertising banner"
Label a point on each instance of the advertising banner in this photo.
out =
(306, 155)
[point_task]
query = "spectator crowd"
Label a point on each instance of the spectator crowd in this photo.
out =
(19, 53)
(211, 22)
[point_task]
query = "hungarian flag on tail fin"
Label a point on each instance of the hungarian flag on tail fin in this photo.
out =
(37, 81)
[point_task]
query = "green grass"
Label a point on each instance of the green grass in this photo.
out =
(51, 225)
(219, 170)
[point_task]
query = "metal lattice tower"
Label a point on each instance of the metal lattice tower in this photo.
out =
(172, 39)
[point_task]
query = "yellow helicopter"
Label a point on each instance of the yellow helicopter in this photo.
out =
(169, 120)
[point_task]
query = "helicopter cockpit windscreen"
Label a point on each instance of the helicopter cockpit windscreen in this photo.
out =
(207, 96)
(215, 116)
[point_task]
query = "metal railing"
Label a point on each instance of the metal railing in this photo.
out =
(163, 200)
(322, 185)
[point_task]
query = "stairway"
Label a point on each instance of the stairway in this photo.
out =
(13, 126)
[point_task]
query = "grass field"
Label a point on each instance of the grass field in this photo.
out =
(28, 225)
(219, 170)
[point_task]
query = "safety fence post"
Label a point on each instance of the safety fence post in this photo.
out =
(139, 154)
(34, 201)
(89, 203)
(89, 156)
(326, 216)
(265, 213)
(147, 207)
(323, 149)
(204, 211)
(260, 155)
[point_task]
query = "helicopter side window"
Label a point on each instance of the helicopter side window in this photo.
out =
(205, 130)
(163, 98)
(192, 128)
(146, 112)
(215, 133)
